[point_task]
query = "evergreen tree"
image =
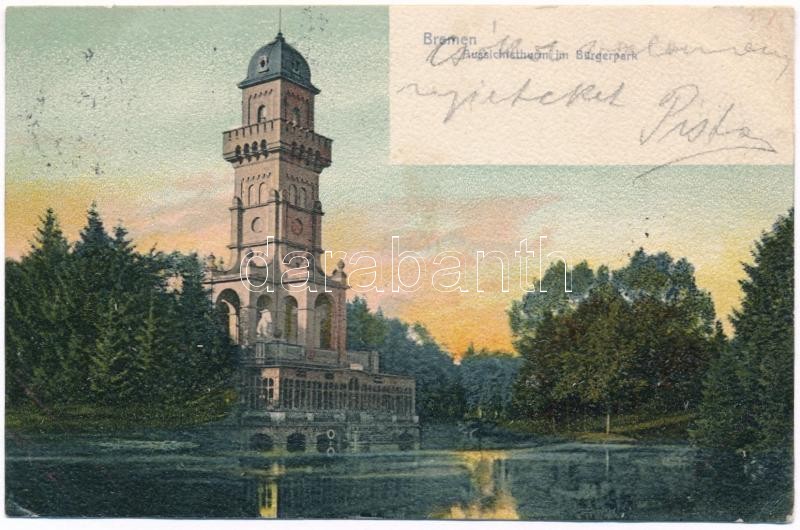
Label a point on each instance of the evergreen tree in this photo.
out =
(724, 417)
(100, 322)
(36, 338)
(151, 349)
(113, 364)
(765, 332)
(748, 394)
(204, 358)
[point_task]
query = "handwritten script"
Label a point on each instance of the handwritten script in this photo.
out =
(581, 86)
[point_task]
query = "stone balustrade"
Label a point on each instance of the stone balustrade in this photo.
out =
(260, 139)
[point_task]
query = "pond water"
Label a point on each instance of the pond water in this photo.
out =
(96, 476)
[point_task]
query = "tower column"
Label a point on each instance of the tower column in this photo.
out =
(236, 211)
(247, 324)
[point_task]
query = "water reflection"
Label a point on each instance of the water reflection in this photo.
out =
(268, 492)
(268, 499)
(489, 473)
(558, 482)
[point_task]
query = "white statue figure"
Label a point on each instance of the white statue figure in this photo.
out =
(264, 327)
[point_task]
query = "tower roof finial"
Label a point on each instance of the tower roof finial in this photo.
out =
(280, 13)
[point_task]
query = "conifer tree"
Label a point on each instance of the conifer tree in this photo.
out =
(748, 395)
(98, 323)
(36, 337)
(113, 363)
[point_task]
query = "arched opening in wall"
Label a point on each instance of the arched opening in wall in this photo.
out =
(266, 326)
(290, 319)
(238, 151)
(262, 193)
(296, 442)
(293, 194)
(228, 313)
(405, 441)
(251, 195)
(328, 442)
(261, 442)
(261, 114)
(303, 198)
(296, 116)
(264, 147)
(247, 150)
(254, 148)
(323, 321)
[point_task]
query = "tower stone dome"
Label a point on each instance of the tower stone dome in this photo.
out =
(278, 60)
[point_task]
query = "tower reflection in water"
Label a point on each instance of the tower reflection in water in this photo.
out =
(489, 474)
(268, 499)
(267, 491)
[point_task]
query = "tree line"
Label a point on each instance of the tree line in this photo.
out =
(641, 339)
(97, 322)
(479, 386)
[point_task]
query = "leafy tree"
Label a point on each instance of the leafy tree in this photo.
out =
(558, 291)
(639, 337)
(488, 379)
(598, 368)
(410, 350)
(365, 330)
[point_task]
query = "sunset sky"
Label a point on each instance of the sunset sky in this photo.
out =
(126, 107)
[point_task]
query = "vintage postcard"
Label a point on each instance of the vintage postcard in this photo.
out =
(399, 262)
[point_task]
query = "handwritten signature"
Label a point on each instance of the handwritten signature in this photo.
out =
(582, 92)
(708, 131)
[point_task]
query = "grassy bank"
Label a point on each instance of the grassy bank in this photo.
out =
(95, 418)
(626, 428)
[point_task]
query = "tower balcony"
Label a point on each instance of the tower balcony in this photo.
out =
(276, 352)
(252, 142)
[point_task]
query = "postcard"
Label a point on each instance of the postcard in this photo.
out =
(399, 262)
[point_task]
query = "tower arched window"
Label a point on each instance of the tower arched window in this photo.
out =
(262, 193)
(228, 312)
(251, 195)
(262, 113)
(293, 194)
(290, 319)
(265, 329)
(323, 316)
(303, 197)
(296, 116)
